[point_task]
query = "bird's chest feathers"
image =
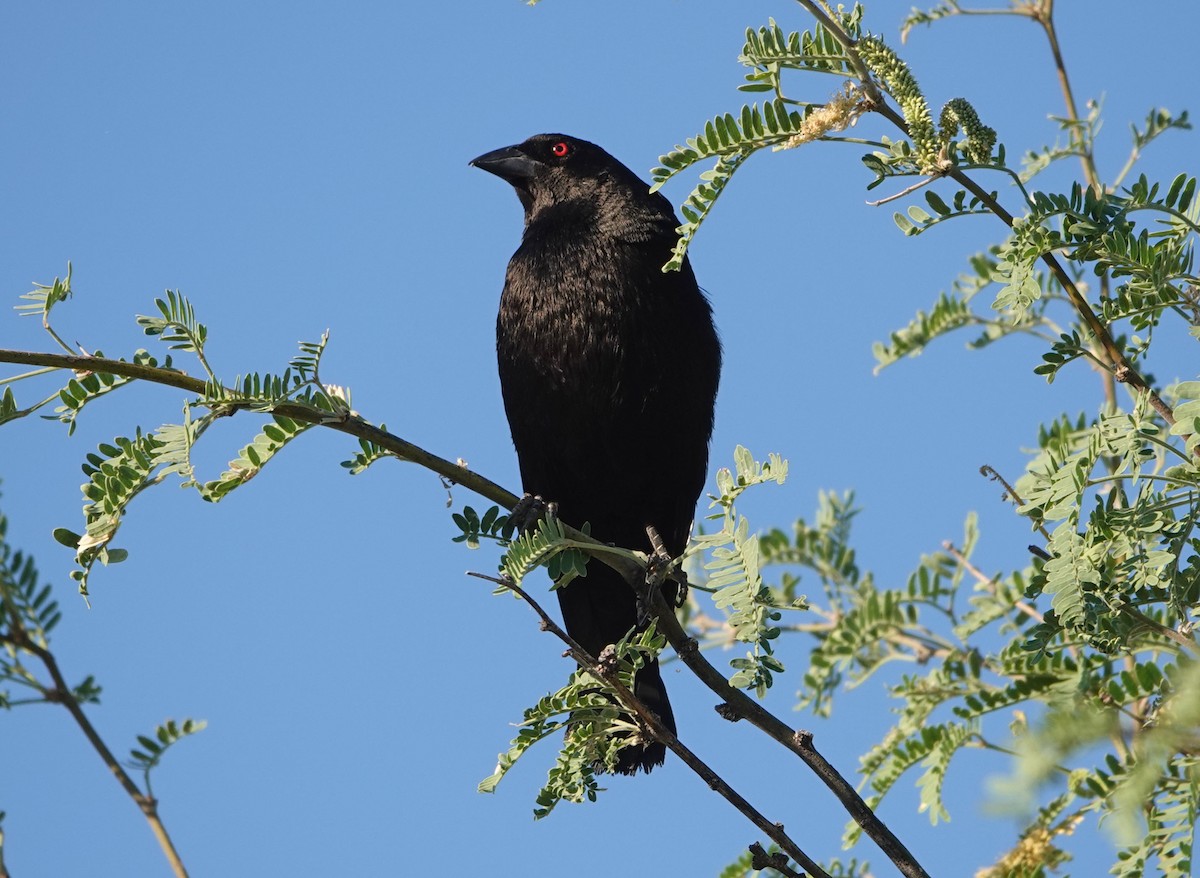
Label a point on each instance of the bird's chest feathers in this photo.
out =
(569, 311)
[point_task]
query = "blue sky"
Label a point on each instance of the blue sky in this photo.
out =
(291, 169)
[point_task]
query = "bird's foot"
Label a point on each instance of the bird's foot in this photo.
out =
(529, 510)
(658, 565)
(681, 589)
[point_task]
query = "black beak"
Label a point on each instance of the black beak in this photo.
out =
(507, 163)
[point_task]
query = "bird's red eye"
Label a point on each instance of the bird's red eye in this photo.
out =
(561, 149)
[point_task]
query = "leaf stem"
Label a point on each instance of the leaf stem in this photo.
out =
(15, 378)
(660, 732)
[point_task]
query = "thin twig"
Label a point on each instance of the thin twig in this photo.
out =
(62, 694)
(660, 732)
(990, 473)
(921, 184)
(989, 582)
(15, 378)
(1043, 14)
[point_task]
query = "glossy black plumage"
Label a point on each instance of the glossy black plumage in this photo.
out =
(609, 371)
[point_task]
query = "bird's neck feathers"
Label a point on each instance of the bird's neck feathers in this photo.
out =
(611, 209)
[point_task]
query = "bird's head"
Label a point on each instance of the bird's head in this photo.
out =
(552, 169)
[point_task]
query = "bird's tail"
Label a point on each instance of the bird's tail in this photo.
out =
(648, 687)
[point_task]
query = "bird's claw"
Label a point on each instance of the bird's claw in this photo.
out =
(681, 590)
(531, 509)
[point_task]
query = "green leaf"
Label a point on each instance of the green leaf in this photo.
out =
(65, 537)
(165, 737)
(43, 297)
(939, 207)
(253, 457)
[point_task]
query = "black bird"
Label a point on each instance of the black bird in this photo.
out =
(609, 369)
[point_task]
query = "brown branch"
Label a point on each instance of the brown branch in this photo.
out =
(350, 423)
(660, 732)
(737, 705)
(760, 859)
(62, 694)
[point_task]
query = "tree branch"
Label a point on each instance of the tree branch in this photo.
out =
(660, 732)
(738, 705)
(62, 694)
(351, 424)
(760, 859)
(1122, 370)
